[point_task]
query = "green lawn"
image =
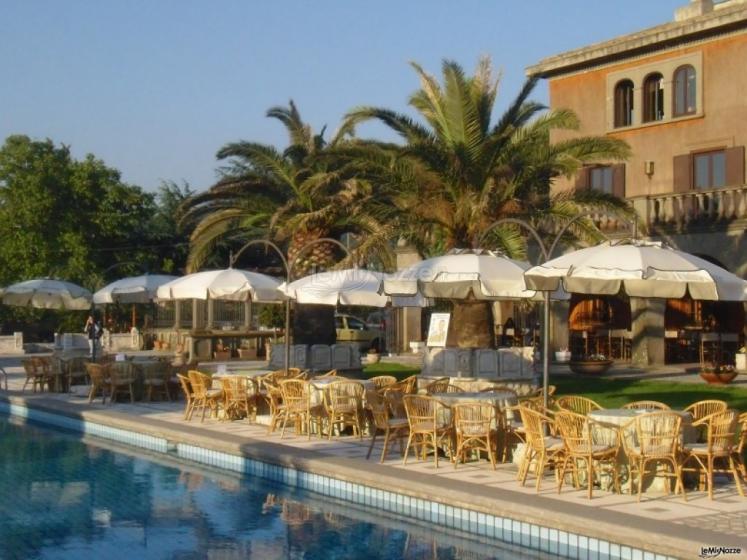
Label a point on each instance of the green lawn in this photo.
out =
(612, 393)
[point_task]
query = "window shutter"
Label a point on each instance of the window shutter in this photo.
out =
(618, 180)
(583, 178)
(683, 173)
(734, 166)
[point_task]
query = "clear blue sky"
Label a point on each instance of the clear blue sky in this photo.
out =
(156, 87)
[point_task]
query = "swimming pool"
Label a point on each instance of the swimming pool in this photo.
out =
(64, 498)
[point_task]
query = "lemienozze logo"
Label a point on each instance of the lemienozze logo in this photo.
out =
(716, 551)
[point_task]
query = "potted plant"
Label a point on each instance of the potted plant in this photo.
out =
(373, 356)
(718, 374)
(741, 359)
(592, 364)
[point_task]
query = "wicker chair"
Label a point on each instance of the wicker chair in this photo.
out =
(579, 435)
(99, 376)
(330, 373)
(345, 406)
(122, 380)
(741, 448)
(646, 405)
(156, 379)
(188, 395)
(205, 397)
(77, 370)
(384, 421)
(296, 395)
(721, 429)
(476, 426)
(657, 439)
(383, 381)
(541, 450)
(701, 409)
(33, 375)
(275, 401)
(239, 397)
(450, 388)
(437, 386)
(578, 404)
(430, 425)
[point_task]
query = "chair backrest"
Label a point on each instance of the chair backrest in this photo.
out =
(345, 395)
(423, 413)
(646, 405)
(330, 373)
(742, 438)
(437, 386)
(574, 431)
(701, 409)
(395, 402)
(534, 427)
(295, 393)
(186, 385)
(29, 366)
(576, 403)
(120, 372)
(500, 389)
(475, 419)
(200, 383)
(658, 433)
(381, 381)
(450, 388)
(235, 388)
(95, 372)
(722, 429)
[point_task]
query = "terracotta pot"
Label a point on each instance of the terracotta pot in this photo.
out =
(718, 377)
(593, 367)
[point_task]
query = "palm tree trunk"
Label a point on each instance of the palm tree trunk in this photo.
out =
(471, 325)
(314, 324)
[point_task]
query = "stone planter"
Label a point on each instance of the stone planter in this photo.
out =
(591, 367)
(248, 353)
(373, 358)
(718, 377)
(222, 355)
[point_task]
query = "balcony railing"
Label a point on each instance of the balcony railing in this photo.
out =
(700, 207)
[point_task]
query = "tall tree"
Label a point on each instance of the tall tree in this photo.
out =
(294, 197)
(459, 171)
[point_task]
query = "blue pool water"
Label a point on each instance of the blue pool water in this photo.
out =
(64, 498)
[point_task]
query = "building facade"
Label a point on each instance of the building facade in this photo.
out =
(677, 94)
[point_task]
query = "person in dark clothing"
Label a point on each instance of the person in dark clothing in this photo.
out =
(93, 330)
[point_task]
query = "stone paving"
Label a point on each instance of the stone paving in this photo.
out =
(726, 515)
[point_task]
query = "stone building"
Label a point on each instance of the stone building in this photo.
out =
(677, 93)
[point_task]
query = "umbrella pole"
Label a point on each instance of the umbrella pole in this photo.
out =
(546, 346)
(287, 332)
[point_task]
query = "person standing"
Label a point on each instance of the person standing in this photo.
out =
(93, 330)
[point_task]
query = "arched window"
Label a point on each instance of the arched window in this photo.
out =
(653, 98)
(624, 103)
(684, 91)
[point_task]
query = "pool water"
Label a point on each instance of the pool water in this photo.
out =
(61, 497)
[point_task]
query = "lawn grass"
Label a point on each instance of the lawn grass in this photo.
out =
(611, 393)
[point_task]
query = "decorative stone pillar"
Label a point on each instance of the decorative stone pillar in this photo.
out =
(647, 325)
(408, 318)
(559, 330)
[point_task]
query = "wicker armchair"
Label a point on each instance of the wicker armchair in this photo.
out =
(437, 386)
(657, 439)
(298, 407)
(122, 380)
(741, 448)
(576, 403)
(540, 450)
(275, 401)
(430, 425)
(205, 397)
(383, 381)
(579, 436)
(701, 409)
(383, 420)
(99, 376)
(345, 406)
(721, 429)
(240, 396)
(450, 388)
(33, 375)
(476, 426)
(646, 405)
(156, 380)
(188, 395)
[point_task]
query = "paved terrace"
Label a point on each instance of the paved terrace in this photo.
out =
(664, 524)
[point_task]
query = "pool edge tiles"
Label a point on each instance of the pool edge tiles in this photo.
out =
(532, 536)
(133, 439)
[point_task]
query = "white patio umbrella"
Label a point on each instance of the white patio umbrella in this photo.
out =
(228, 284)
(134, 289)
(353, 286)
(483, 274)
(640, 269)
(45, 293)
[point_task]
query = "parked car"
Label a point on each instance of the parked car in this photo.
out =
(354, 330)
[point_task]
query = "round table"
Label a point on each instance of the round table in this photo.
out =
(622, 420)
(502, 399)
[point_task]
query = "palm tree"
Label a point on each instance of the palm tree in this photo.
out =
(458, 172)
(293, 197)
